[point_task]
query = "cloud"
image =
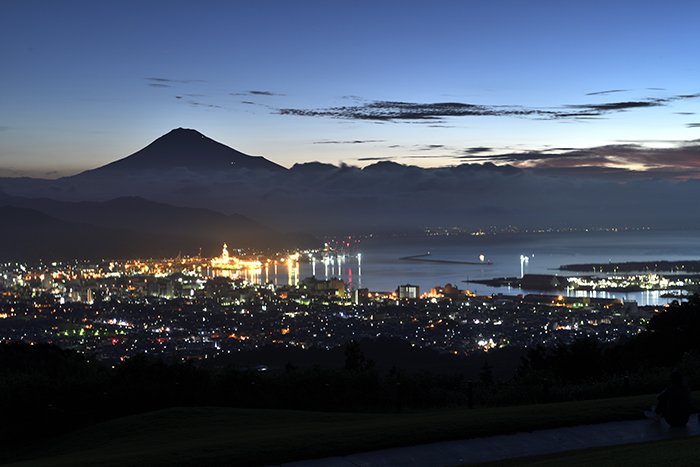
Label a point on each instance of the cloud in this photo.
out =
(14, 172)
(511, 157)
(420, 147)
(681, 161)
(603, 93)
(477, 150)
(427, 147)
(684, 113)
(203, 104)
(256, 93)
(406, 111)
(395, 158)
(413, 112)
(168, 81)
(425, 156)
(375, 158)
(355, 141)
(597, 109)
(693, 125)
(672, 142)
(264, 93)
(158, 85)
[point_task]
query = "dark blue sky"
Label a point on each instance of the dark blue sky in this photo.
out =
(86, 82)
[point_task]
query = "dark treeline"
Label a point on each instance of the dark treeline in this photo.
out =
(45, 390)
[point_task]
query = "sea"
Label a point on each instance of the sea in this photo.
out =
(379, 266)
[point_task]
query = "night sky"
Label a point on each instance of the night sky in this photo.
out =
(424, 83)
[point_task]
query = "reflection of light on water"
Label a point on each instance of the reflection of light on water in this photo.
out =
(646, 298)
(591, 294)
(292, 273)
(359, 270)
(252, 275)
(524, 261)
(334, 265)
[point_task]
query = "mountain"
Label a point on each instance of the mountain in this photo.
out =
(149, 216)
(185, 168)
(126, 227)
(313, 168)
(34, 235)
(188, 149)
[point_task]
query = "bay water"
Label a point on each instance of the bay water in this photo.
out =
(381, 268)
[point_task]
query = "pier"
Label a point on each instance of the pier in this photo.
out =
(427, 259)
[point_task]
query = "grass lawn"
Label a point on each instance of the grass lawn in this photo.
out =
(224, 436)
(677, 452)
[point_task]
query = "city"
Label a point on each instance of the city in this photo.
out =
(199, 308)
(333, 234)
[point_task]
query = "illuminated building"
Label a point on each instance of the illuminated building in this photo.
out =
(360, 296)
(332, 287)
(223, 261)
(231, 266)
(449, 291)
(409, 291)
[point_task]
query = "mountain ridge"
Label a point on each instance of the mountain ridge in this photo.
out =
(382, 197)
(184, 148)
(127, 227)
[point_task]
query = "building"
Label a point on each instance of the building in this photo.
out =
(409, 291)
(331, 287)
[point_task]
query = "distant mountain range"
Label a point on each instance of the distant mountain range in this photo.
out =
(185, 168)
(41, 228)
(30, 235)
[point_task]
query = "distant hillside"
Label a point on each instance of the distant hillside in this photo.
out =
(28, 234)
(126, 227)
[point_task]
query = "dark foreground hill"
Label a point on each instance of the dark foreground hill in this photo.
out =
(221, 436)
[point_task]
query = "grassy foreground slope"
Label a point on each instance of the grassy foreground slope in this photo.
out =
(224, 436)
(677, 452)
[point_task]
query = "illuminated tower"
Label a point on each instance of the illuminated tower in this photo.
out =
(224, 254)
(223, 261)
